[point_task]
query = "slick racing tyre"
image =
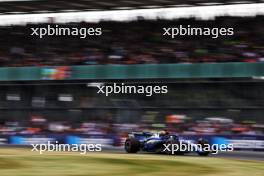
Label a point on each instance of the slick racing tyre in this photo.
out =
(132, 145)
(204, 143)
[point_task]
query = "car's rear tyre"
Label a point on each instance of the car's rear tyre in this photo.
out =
(204, 143)
(132, 145)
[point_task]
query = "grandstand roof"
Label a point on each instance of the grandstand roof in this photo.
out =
(46, 6)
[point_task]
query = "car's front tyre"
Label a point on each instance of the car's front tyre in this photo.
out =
(132, 145)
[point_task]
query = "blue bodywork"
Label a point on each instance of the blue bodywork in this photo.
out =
(153, 142)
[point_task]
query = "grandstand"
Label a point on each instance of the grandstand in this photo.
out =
(150, 45)
(80, 74)
(48, 6)
(48, 85)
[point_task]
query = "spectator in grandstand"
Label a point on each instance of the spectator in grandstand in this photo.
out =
(141, 43)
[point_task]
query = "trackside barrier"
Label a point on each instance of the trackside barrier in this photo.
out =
(240, 142)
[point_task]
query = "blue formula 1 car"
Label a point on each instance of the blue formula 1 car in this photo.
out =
(164, 142)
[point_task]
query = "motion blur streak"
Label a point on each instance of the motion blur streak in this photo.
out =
(201, 12)
(99, 164)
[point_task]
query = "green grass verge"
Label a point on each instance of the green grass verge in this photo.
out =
(22, 162)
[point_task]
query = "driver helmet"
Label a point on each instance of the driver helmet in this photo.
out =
(163, 133)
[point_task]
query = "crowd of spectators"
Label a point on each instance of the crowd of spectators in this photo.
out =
(137, 42)
(207, 126)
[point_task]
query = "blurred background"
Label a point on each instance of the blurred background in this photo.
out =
(48, 86)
